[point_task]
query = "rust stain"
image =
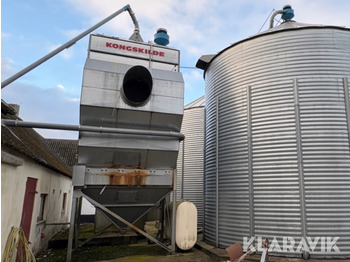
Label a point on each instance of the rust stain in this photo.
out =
(129, 178)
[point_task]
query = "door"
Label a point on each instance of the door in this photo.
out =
(28, 204)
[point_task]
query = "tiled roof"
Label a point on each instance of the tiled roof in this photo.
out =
(67, 149)
(28, 142)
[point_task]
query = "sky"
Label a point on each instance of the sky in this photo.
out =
(50, 93)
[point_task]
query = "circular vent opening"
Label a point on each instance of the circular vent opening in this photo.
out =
(137, 86)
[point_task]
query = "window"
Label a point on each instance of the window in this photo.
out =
(64, 201)
(42, 208)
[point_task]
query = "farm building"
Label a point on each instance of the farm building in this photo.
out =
(35, 184)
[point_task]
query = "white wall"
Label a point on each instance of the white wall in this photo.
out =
(87, 208)
(13, 185)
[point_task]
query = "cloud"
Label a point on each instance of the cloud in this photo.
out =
(194, 74)
(66, 54)
(75, 100)
(6, 67)
(71, 33)
(194, 84)
(322, 12)
(58, 134)
(53, 105)
(202, 27)
(60, 87)
(5, 35)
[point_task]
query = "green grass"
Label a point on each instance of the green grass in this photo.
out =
(85, 231)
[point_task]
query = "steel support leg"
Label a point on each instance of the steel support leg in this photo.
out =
(173, 223)
(100, 206)
(160, 233)
(74, 216)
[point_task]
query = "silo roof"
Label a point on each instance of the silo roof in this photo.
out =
(199, 102)
(205, 60)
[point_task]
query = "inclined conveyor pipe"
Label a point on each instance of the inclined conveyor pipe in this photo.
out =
(72, 42)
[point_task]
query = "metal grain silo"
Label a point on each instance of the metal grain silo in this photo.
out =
(277, 160)
(190, 162)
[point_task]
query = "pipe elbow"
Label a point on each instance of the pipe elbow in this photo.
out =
(273, 17)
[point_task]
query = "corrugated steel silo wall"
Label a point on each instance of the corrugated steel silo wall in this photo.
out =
(193, 160)
(277, 147)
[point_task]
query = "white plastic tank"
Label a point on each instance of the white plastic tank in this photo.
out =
(186, 225)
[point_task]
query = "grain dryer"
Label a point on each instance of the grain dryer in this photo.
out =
(133, 92)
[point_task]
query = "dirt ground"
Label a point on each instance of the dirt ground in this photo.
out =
(141, 251)
(193, 255)
(133, 248)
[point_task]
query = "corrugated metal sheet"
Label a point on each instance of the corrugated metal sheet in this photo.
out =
(277, 139)
(326, 158)
(190, 165)
(276, 187)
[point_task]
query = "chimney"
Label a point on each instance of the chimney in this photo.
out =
(15, 108)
